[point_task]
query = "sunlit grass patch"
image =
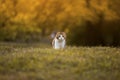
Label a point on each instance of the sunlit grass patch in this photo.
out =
(73, 63)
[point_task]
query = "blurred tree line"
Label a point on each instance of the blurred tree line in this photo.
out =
(86, 22)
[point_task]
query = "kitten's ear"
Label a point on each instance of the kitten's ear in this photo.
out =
(64, 34)
(58, 32)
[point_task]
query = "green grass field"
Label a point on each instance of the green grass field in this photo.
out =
(41, 62)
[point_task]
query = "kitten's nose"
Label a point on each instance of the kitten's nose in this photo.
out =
(62, 38)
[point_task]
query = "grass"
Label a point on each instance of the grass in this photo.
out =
(41, 62)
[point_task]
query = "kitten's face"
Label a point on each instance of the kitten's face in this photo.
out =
(61, 36)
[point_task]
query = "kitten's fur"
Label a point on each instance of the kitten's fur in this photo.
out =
(59, 41)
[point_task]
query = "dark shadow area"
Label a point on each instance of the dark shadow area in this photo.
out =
(105, 34)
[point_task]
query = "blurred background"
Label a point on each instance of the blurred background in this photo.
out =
(86, 22)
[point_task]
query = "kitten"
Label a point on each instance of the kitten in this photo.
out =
(59, 41)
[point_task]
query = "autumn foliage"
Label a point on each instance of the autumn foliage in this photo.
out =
(86, 22)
